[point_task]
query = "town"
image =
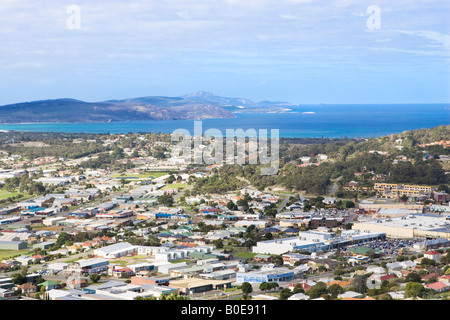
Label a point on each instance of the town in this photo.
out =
(116, 217)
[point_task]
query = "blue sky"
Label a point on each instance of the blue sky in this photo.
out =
(301, 51)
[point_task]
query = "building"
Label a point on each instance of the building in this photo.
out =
(410, 226)
(292, 258)
(314, 241)
(394, 190)
(115, 251)
(94, 265)
(433, 255)
(13, 245)
(441, 196)
(195, 285)
(268, 275)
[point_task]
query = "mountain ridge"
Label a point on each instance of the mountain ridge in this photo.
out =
(195, 106)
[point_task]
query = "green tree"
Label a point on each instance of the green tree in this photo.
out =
(263, 286)
(94, 277)
(285, 294)
(335, 290)
(246, 288)
(319, 289)
(413, 277)
(414, 290)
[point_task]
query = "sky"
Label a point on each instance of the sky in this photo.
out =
(299, 51)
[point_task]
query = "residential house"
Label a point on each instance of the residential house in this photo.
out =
(433, 255)
(27, 288)
(49, 285)
(438, 286)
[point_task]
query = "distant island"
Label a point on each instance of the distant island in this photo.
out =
(196, 106)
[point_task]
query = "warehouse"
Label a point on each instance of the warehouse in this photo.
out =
(194, 285)
(410, 226)
(116, 250)
(314, 241)
(53, 221)
(13, 245)
(268, 275)
(95, 265)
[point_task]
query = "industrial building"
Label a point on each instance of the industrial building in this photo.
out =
(13, 245)
(95, 265)
(410, 226)
(267, 275)
(313, 241)
(115, 251)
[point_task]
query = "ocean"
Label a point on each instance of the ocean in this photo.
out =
(327, 121)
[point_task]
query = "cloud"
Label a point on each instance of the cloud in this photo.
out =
(442, 39)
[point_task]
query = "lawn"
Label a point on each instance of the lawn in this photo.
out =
(174, 186)
(7, 194)
(245, 254)
(5, 254)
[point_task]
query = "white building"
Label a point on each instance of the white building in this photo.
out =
(116, 250)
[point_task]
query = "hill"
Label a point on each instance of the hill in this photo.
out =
(195, 106)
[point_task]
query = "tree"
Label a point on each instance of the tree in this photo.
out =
(272, 285)
(263, 286)
(18, 279)
(385, 296)
(335, 290)
(218, 243)
(94, 277)
(319, 289)
(298, 289)
(277, 260)
(285, 294)
(414, 290)
(173, 296)
(413, 277)
(166, 200)
(246, 289)
(231, 205)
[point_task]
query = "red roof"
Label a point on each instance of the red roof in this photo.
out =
(432, 252)
(446, 277)
(436, 285)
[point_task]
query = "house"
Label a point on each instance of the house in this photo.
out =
(433, 255)
(438, 286)
(428, 276)
(444, 278)
(27, 287)
(77, 283)
(120, 272)
(397, 295)
(375, 269)
(292, 258)
(342, 284)
(381, 277)
(299, 296)
(350, 294)
(49, 285)
(307, 284)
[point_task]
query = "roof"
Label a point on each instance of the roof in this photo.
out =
(48, 283)
(437, 285)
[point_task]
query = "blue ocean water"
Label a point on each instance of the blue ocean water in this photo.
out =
(328, 121)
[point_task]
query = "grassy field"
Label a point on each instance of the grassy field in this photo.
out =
(245, 254)
(5, 254)
(6, 194)
(174, 186)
